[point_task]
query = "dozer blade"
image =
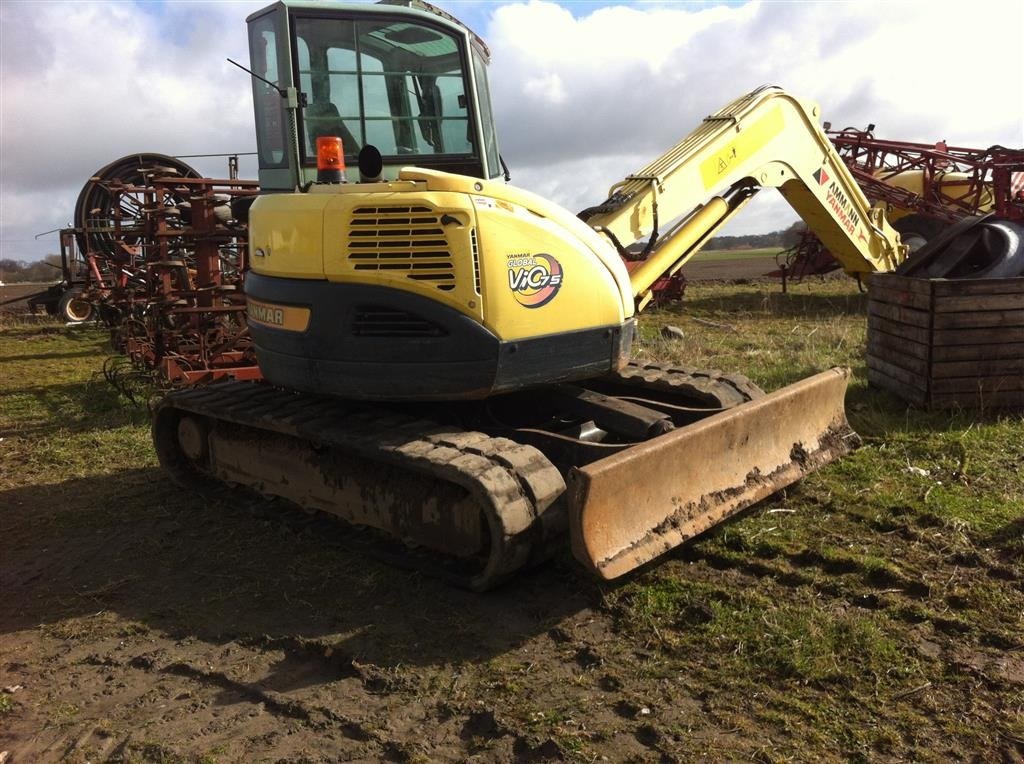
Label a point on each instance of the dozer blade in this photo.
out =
(629, 508)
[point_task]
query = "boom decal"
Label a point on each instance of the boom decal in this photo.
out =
(715, 168)
(842, 207)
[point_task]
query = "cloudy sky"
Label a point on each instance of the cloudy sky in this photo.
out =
(584, 92)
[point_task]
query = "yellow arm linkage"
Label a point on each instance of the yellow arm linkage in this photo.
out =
(765, 138)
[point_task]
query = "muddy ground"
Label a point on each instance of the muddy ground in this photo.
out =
(145, 625)
(14, 297)
(869, 614)
(146, 621)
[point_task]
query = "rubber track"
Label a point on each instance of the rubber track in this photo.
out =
(710, 388)
(514, 484)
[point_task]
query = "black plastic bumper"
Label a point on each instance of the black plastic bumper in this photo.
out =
(377, 343)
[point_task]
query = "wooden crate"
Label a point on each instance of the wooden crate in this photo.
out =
(947, 343)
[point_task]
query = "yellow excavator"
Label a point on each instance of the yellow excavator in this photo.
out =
(447, 357)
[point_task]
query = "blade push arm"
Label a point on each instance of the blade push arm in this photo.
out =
(765, 138)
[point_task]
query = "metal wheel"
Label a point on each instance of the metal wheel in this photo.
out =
(74, 308)
(109, 222)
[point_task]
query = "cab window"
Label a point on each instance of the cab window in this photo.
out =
(264, 37)
(397, 85)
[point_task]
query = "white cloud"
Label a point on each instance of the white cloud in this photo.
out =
(85, 83)
(633, 81)
(546, 88)
(581, 100)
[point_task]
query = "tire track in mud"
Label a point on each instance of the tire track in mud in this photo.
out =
(316, 716)
(238, 713)
(873, 588)
(473, 728)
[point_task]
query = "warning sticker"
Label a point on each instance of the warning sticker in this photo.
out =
(716, 170)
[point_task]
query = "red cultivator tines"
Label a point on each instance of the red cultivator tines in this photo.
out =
(191, 327)
(163, 254)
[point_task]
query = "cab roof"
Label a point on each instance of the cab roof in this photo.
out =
(411, 8)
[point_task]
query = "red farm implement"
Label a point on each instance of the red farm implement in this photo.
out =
(926, 187)
(160, 256)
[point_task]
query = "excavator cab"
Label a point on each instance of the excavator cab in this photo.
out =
(404, 77)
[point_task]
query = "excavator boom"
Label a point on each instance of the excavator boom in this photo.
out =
(672, 488)
(765, 138)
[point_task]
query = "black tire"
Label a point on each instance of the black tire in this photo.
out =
(74, 308)
(983, 247)
(918, 230)
(999, 253)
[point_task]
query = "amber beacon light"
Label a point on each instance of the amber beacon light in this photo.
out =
(330, 159)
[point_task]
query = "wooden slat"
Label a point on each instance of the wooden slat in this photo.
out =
(908, 393)
(916, 381)
(897, 329)
(978, 319)
(978, 336)
(976, 400)
(952, 304)
(919, 318)
(989, 367)
(997, 384)
(900, 359)
(902, 283)
(978, 286)
(899, 297)
(879, 338)
(972, 352)
(971, 331)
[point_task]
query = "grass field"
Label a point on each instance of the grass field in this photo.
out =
(737, 254)
(872, 612)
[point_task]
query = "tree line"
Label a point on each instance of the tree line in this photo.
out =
(45, 270)
(785, 238)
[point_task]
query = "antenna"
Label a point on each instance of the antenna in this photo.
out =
(279, 90)
(283, 92)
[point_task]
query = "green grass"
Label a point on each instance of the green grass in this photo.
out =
(736, 254)
(872, 611)
(819, 599)
(59, 418)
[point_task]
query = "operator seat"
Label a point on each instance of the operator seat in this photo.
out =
(322, 119)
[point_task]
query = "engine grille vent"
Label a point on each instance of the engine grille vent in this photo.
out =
(476, 261)
(375, 321)
(409, 238)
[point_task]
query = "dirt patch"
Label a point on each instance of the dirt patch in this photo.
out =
(865, 614)
(729, 270)
(142, 622)
(741, 269)
(14, 297)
